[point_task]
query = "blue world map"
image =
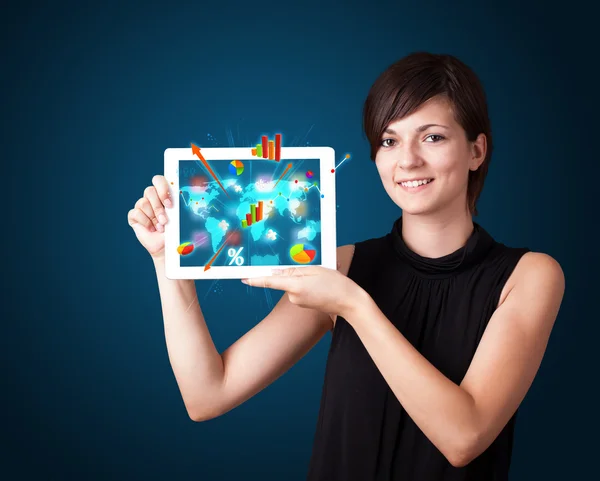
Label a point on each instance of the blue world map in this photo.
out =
(286, 202)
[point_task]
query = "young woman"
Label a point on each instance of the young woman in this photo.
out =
(438, 330)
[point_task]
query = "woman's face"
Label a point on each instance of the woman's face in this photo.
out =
(415, 151)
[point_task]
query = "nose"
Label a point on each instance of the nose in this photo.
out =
(408, 157)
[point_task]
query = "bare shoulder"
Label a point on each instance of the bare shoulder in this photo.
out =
(537, 265)
(345, 254)
(537, 273)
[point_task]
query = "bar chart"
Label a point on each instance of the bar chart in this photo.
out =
(268, 149)
(255, 215)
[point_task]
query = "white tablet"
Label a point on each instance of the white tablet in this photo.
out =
(237, 214)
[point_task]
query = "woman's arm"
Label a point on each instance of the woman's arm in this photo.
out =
(212, 383)
(196, 363)
(462, 421)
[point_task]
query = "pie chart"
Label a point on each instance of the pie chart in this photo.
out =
(185, 248)
(236, 167)
(303, 253)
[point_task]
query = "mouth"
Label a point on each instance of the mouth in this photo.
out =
(415, 185)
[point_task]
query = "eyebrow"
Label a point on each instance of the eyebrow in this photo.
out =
(422, 128)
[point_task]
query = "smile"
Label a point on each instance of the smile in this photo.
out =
(415, 184)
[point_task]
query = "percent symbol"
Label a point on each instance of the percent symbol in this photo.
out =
(235, 256)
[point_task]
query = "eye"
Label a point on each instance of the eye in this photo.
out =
(383, 142)
(435, 135)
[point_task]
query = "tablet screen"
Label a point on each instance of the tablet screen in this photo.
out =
(250, 213)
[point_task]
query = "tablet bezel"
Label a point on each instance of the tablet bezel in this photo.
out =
(172, 156)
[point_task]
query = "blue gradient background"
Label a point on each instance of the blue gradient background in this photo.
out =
(91, 97)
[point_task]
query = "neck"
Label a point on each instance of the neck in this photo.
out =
(436, 235)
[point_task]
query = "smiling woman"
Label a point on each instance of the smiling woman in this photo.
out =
(412, 156)
(426, 368)
(438, 329)
(452, 109)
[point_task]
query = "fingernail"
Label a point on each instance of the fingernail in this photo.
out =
(168, 203)
(162, 219)
(160, 227)
(245, 281)
(276, 272)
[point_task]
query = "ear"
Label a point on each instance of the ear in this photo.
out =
(478, 151)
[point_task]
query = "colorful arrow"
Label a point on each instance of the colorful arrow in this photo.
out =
(207, 266)
(196, 151)
(284, 172)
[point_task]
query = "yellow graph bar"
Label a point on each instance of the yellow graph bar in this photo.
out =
(271, 150)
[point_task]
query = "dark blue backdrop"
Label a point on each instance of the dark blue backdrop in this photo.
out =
(91, 97)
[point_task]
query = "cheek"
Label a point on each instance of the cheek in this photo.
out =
(380, 168)
(386, 174)
(444, 158)
(452, 163)
(454, 174)
(385, 167)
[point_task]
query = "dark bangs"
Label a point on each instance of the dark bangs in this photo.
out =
(405, 85)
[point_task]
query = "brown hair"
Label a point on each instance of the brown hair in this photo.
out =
(405, 85)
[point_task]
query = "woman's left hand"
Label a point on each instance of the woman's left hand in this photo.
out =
(316, 287)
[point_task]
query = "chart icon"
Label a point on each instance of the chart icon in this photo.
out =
(185, 248)
(268, 149)
(303, 253)
(255, 215)
(236, 167)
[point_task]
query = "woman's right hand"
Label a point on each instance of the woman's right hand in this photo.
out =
(148, 217)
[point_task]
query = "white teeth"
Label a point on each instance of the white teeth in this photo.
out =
(416, 183)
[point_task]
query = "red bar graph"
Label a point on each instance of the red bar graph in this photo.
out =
(249, 219)
(268, 149)
(265, 146)
(277, 147)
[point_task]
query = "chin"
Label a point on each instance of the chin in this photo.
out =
(416, 210)
(416, 207)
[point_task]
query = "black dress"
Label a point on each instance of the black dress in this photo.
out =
(442, 306)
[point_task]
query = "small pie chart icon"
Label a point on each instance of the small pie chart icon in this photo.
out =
(236, 167)
(303, 253)
(185, 248)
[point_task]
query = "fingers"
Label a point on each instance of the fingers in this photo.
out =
(256, 282)
(137, 216)
(281, 282)
(149, 211)
(144, 205)
(285, 279)
(260, 282)
(157, 206)
(292, 271)
(162, 189)
(296, 271)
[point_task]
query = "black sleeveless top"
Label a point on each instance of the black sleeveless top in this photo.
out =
(442, 306)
